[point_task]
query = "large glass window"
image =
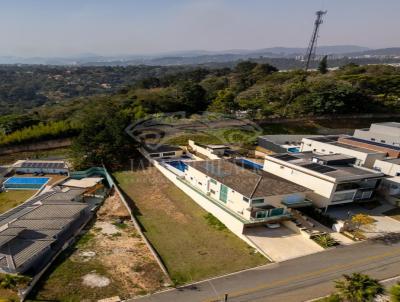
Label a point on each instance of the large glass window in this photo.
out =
(257, 201)
(169, 154)
(343, 196)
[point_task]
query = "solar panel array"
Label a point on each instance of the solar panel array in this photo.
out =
(42, 165)
(319, 168)
(286, 157)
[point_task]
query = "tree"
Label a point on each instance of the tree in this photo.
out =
(395, 293)
(192, 97)
(358, 288)
(323, 65)
(359, 220)
(224, 102)
(103, 139)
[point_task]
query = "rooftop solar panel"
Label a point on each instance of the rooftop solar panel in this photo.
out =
(319, 168)
(286, 157)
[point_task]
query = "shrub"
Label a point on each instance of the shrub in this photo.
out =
(325, 240)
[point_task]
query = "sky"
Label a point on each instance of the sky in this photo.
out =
(115, 27)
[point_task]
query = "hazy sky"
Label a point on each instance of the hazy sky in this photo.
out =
(68, 27)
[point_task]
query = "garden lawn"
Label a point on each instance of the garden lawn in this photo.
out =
(13, 198)
(192, 246)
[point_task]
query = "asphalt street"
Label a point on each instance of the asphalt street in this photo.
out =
(294, 280)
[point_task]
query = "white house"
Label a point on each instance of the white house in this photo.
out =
(331, 145)
(208, 151)
(257, 197)
(386, 133)
(161, 151)
(333, 179)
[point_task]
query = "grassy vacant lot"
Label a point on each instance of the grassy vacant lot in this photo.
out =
(394, 213)
(40, 154)
(12, 198)
(191, 244)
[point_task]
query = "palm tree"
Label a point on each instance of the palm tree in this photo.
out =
(359, 288)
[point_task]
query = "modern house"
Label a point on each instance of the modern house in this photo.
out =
(256, 197)
(386, 133)
(333, 179)
(390, 186)
(335, 144)
(32, 233)
(41, 166)
(207, 151)
(280, 143)
(161, 151)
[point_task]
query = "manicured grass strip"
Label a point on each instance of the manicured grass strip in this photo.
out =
(190, 242)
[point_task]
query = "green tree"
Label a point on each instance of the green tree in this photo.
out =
(192, 97)
(103, 139)
(323, 65)
(395, 293)
(359, 288)
(224, 102)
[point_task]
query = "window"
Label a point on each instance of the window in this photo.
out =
(168, 153)
(372, 139)
(397, 173)
(213, 181)
(261, 214)
(343, 196)
(383, 141)
(245, 199)
(212, 191)
(200, 183)
(155, 155)
(257, 201)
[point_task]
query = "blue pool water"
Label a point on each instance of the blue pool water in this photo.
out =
(25, 182)
(294, 150)
(180, 165)
(250, 164)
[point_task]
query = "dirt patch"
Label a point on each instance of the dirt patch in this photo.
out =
(113, 208)
(94, 280)
(106, 228)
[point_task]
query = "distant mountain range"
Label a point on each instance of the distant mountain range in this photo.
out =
(206, 57)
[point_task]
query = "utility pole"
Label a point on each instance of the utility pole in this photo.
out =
(312, 46)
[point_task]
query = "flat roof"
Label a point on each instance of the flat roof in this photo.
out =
(245, 181)
(333, 140)
(282, 139)
(156, 148)
(305, 160)
(87, 182)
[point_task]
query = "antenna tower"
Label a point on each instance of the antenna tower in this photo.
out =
(312, 46)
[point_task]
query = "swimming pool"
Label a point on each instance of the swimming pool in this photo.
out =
(294, 150)
(177, 164)
(29, 183)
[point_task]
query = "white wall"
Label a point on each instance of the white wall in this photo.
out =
(201, 150)
(363, 158)
(387, 167)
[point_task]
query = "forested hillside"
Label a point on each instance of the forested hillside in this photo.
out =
(254, 89)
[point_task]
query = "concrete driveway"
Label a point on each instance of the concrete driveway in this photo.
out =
(383, 225)
(282, 243)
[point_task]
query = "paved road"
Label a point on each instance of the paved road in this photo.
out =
(293, 280)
